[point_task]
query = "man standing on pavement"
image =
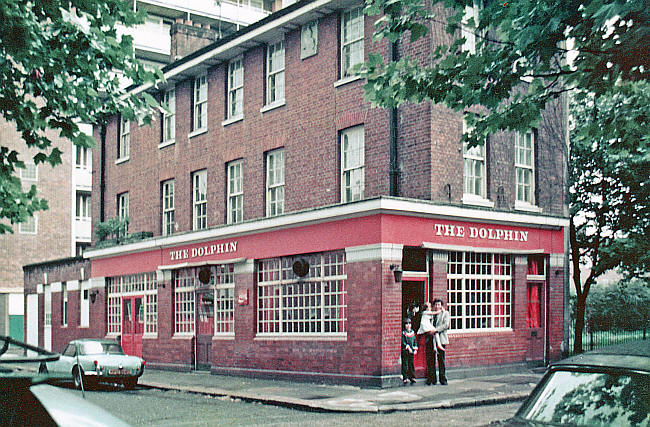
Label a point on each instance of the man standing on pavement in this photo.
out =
(441, 323)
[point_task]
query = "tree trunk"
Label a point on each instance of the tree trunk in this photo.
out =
(580, 323)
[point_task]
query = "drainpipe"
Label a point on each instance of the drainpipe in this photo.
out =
(392, 123)
(102, 169)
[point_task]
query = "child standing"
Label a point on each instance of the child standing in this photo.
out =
(409, 349)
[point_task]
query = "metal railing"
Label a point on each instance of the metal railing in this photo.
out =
(592, 339)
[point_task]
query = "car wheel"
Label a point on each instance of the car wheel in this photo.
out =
(130, 383)
(76, 375)
(42, 368)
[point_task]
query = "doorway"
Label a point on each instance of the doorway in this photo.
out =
(132, 325)
(414, 294)
(204, 326)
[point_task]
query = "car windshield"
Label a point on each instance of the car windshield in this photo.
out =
(88, 348)
(591, 399)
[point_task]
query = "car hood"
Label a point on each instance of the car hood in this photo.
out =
(68, 409)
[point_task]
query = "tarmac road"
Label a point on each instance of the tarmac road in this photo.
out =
(151, 407)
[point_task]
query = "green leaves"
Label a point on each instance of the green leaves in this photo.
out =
(59, 62)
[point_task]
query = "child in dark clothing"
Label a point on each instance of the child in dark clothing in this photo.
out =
(409, 349)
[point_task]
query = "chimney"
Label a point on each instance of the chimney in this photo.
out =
(187, 37)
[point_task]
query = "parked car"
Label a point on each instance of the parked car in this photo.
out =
(26, 398)
(604, 387)
(96, 360)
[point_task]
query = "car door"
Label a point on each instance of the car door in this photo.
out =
(65, 362)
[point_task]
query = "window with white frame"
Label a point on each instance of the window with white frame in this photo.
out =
(168, 209)
(47, 309)
(200, 200)
(29, 225)
(132, 285)
(124, 140)
(224, 301)
(275, 73)
(29, 172)
(123, 205)
(469, 26)
(64, 304)
(310, 305)
(236, 88)
(200, 103)
(275, 182)
(82, 206)
(351, 40)
(525, 167)
(82, 155)
(474, 182)
(479, 290)
(352, 164)
(184, 301)
(169, 118)
(235, 192)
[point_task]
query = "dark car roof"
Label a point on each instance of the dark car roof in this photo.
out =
(633, 355)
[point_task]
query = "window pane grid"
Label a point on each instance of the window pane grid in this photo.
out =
(168, 208)
(200, 200)
(125, 138)
(275, 183)
(235, 88)
(353, 164)
(135, 284)
(184, 281)
(275, 72)
(169, 119)
(524, 166)
(314, 304)
(479, 290)
(235, 192)
(200, 102)
(351, 40)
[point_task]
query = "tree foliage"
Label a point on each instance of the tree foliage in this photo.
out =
(61, 63)
(605, 303)
(528, 55)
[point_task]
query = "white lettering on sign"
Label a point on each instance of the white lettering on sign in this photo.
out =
(483, 233)
(201, 251)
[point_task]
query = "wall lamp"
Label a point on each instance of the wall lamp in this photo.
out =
(93, 296)
(397, 272)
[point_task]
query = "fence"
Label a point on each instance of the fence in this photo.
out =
(596, 339)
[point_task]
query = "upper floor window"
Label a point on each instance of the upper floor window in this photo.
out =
(200, 199)
(82, 155)
(200, 103)
(352, 164)
(29, 226)
(169, 118)
(351, 40)
(124, 140)
(236, 88)
(29, 172)
(474, 182)
(123, 206)
(275, 182)
(470, 26)
(275, 73)
(82, 208)
(525, 167)
(168, 207)
(235, 192)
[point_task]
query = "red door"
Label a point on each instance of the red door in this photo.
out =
(132, 325)
(204, 327)
(414, 292)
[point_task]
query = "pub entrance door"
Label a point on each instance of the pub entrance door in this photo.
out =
(204, 326)
(414, 294)
(132, 325)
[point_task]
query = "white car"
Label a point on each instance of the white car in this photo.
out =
(96, 360)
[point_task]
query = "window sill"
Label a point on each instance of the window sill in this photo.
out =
(523, 206)
(150, 336)
(122, 160)
(197, 133)
(272, 106)
(302, 337)
(472, 199)
(183, 336)
(232, 120)
(167, 143)
(346, 80)
(223, 337)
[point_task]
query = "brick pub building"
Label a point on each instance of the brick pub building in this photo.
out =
(282, 206)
